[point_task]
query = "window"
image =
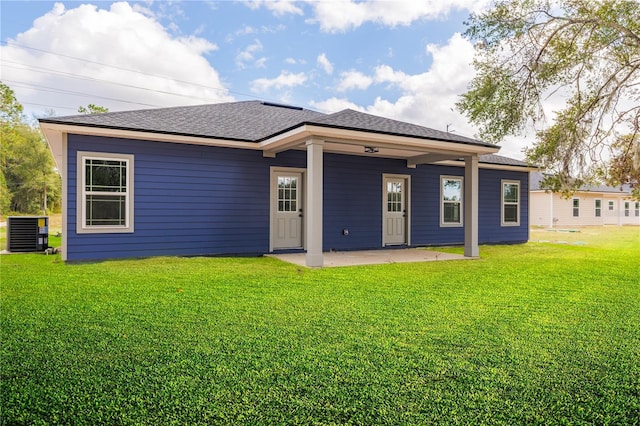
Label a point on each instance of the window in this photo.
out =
(576, 207)
(598, 206)
(626, 208)
(637, 209)
(611, 204)
(451, 197)
(105, 192)
(287, 194)
(510, 203)
(394, 196)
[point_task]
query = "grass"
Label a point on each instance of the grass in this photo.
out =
(539, 333)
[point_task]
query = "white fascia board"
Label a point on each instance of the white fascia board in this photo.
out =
(298, 135)
(490, 166)
(48, 128)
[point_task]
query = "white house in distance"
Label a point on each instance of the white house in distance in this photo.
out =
(593, 205)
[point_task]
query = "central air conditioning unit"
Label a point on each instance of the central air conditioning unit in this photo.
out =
(27, 233)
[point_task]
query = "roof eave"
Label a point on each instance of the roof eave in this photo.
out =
(297, 136)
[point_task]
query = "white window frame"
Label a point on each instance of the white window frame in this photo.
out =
(627, 209)
(637, 208)
(460, 223)
(81, 194)
(503, 203)
(611, 204)
(597, 210)
(574, 207)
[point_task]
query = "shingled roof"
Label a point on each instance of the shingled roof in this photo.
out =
(536, 178)
(355, 120)
(250, 121)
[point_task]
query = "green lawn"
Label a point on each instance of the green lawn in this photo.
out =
(544, 332)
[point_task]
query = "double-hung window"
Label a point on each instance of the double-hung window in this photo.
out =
(105, 192)
(451, 201)
(510, 203)
(627, 205)
(598, 208)
(637, 208)
(576, 207)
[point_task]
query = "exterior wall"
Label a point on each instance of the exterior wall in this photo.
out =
(552, 210)
(195, 200)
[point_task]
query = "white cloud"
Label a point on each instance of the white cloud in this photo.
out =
(294, 61)
(353, 80)
(325, 64)
(428, 98)
(249, 55)
(138, 49)
(278, 7)
(284, 80)
(343, 15)
(334, 104)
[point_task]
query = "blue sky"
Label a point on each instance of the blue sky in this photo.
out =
(399, 59)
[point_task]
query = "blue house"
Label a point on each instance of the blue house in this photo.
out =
(255, 177)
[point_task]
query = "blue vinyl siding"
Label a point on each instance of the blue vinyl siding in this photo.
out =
(196, 200)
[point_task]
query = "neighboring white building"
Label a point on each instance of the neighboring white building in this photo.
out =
(595, 205)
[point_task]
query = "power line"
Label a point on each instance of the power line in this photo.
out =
(33, 68)
(70, 92)
(8, 43)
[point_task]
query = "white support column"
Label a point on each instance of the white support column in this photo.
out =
(313, 215)
(471, 206)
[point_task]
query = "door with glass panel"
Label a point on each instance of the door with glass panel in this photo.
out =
(394, 211)
(287, 214)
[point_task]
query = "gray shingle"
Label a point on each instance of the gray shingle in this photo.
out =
(535, 184)
(354, 120)
(251, 121)
(503, 161)
(244, 121)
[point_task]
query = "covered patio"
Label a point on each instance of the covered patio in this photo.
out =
(357, 134)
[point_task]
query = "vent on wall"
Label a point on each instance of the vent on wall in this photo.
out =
(27, 233)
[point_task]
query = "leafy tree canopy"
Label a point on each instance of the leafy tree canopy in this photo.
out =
(10, 110)
(28, 180)
(92, 109)
(582, 55)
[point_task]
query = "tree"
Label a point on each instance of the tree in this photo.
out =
(585, 52)
(28, 181)
(92, 109)
(621, 167)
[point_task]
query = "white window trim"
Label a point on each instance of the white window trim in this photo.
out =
(502, 202)
(444, 224)
(572, 207)
(81, 227)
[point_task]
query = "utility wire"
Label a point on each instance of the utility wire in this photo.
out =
(44, 70)
(62, 73)
(9, 43)
(70, 92)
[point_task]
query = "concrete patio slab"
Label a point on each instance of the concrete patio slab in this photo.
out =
(371, 257)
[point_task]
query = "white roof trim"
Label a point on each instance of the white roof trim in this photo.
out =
(491, 166)
(282, 142)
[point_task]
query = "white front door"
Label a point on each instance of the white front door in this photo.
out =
(287, 213)
(394, 211)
